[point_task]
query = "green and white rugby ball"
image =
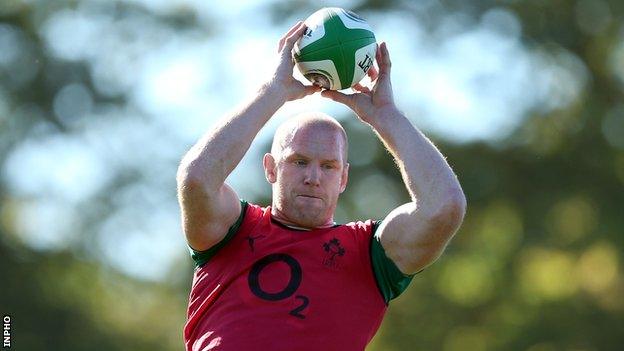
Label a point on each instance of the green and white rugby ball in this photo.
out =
(336, 50)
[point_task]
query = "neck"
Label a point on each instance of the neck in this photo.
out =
(280, 217)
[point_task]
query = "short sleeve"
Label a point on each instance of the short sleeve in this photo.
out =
(201, 257)
(390, 280)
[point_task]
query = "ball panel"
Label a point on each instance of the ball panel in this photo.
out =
(351, 20)
(364, 58)
(334, 54)
(315, 30)
(326, 60)
(321, 78)
(321, 72)
(351, 60)
(333, 31)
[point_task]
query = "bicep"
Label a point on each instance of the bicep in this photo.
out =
(414, 239)
(207, 215)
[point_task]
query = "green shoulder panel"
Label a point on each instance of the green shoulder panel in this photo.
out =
(390, 280)
(201, 257)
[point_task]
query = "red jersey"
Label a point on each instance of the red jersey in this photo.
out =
(267, 286)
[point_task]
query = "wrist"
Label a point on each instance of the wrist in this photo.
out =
(384, 117)
(273, 91)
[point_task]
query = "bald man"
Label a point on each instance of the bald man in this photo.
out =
(286, 276)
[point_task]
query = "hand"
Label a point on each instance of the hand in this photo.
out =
(283, 81)
(370, 103)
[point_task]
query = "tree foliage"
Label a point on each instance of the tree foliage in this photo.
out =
(536, 265)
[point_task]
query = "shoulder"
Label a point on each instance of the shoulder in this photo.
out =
(362, 227)
(251, 214)
(360, 233)
(255, 211)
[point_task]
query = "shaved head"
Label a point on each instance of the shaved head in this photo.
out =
(314, 122)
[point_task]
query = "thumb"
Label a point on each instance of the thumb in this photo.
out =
(338, 97)
(310, 89)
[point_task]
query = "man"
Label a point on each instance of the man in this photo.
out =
(286, 277)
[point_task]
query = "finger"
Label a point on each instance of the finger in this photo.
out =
(293, 28)
(290, 31)
(361, 88)
(372, 73)
(338, 97)
(311, 89)
(384, 62)
(294, 36)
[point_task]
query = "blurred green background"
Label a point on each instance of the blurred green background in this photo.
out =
(100, 99)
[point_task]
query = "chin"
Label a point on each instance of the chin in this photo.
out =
(309, 218)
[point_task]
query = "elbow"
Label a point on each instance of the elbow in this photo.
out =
(195, 175)
(450, 214)
(448, 217)
(436, 229)
(457, 206)
(185, 173)
(190, 174)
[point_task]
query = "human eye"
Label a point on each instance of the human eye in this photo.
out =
(299, 162)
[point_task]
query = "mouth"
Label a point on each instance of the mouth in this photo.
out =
(309, 196)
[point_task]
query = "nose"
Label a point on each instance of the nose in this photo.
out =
(313, 176)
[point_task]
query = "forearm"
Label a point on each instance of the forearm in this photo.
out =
(429, 179)
(219, 151)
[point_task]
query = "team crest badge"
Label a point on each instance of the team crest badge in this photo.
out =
(333, 250)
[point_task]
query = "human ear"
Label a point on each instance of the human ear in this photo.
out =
(344, 178)
(268, 162)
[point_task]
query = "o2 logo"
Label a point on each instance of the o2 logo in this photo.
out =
(288, 291)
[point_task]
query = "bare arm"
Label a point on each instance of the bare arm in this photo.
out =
(414, 234)
(209, 206)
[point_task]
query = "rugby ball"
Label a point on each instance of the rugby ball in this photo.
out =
(336, 50)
